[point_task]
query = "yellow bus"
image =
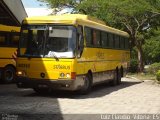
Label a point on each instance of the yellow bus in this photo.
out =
(9, 36)
(70, 52)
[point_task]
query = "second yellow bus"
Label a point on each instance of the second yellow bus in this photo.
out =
(9, 36)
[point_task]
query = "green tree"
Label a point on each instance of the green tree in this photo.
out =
(133, 16)
(152, 46)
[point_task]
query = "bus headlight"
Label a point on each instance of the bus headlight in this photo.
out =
(68, 75)
(21, 73)
(71, 75)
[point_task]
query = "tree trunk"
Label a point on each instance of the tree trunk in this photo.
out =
(140, 59)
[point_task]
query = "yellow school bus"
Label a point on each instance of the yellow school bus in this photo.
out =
(70, 52)
(9, 36)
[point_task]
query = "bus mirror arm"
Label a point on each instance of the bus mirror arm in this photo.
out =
(80, 50)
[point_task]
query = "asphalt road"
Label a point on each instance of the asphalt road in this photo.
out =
(131, 97)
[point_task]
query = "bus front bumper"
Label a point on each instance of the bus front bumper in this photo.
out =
(24, 82)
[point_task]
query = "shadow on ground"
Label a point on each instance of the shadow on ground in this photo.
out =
(97, 91)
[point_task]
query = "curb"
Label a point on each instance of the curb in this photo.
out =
(134, 78)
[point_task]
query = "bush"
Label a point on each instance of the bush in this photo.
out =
(158, 75)
(133, 66)
(153, 68)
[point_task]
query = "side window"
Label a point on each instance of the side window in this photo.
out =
(117, 42)
(96, 38)
(9, 39)
(122, 42)
(88, 34)
(14, 39)
(111, 40)
(126, 43)
(2, 39)
(104, 39)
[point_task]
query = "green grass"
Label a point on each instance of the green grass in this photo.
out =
(142, 76)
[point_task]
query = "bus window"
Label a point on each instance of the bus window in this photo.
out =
(62, 42)
(111, 40)
(126, 43)
(117, 43)
(44, 41)
(2, 40)
(104, 39)
(14, 39)
(96, 38)
(32, 40)
(9, 39)
(122, 43)
(88, 34)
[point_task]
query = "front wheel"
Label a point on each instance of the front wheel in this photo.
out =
(8, 74)
(87, 85)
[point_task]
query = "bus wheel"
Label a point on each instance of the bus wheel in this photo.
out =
(120, 75)
(87, 85)
(122, 72)
(114, 82)
(8, 74)
(41, 90)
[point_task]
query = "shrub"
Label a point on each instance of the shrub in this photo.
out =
(133, 66)
(158, 75)
(153, 68)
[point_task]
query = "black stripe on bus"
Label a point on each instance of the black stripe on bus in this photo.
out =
(98, 61)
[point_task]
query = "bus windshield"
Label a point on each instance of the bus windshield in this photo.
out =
(47, 41)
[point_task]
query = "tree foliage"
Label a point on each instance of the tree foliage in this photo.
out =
(152, 46)
(133, 16)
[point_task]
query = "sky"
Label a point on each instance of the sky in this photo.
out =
(36, 8)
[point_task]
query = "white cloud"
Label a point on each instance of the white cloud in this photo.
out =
(65, 11)
(38, 11)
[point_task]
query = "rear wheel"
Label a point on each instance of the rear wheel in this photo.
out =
(120, 75)
(87, 85)
(8, 74)
(115, 80)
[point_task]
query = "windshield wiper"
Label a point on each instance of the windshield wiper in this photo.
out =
(52, 54)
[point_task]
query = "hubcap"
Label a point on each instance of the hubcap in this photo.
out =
(8, 75)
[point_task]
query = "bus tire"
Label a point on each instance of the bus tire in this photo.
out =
(120, 75)
(114, 82)
(87, 85)
(8, 74)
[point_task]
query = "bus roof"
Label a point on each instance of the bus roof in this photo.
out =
(9, 28)
(74, 19)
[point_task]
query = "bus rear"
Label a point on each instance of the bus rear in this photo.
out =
(46, 57)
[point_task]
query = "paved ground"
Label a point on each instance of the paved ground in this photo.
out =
(131, 97)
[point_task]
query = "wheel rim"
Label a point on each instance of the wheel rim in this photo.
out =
(9, 75)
